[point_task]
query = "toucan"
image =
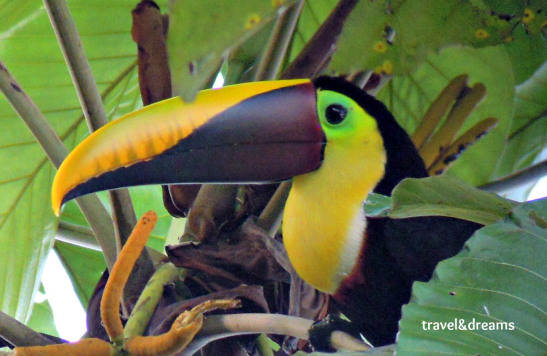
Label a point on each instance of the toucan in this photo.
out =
(335, 142)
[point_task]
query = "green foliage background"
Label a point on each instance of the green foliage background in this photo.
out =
(434, 41)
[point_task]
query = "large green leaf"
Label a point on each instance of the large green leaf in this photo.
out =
(198, 44)
(408, 97)
(29, 49)
(500, 277)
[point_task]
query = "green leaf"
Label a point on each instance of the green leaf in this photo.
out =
(377, 205)
(197, 43)
(527, 54)
(441, 23)
(150, 198)
(446, 196)
(500, 277)
(408, 98)
(30, 51)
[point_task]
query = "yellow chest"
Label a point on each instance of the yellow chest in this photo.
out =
(324, 221)
(322, 242)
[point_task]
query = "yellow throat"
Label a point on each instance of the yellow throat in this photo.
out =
(324, 221)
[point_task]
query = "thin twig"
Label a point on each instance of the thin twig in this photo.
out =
(517, 179)
(18, 334)
(220, 326)
(76, 235)
(91, 206)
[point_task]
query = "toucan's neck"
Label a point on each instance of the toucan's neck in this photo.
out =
(324, 222)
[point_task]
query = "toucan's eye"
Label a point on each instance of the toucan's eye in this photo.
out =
(335, 113)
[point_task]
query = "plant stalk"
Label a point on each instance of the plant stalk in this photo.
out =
(149, 299)
(18, 334)
(91, 102)
(220, 326)
(76, 235)
(517, 179)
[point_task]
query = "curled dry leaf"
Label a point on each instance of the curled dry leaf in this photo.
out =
(245, 259)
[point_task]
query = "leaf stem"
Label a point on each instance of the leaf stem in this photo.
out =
(90, 100)
(263, 346)
(77, 235)
(123, 213)
(148, 300)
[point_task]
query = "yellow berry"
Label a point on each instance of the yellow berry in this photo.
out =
(528, 16)
(482, 34)
(253, 20)
(380, 47)
(387, 67)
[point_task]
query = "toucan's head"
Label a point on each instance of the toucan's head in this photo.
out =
(246, 133)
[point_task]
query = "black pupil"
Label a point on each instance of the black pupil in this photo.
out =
(335, 113)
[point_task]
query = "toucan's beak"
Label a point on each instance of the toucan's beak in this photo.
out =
(254, 132)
